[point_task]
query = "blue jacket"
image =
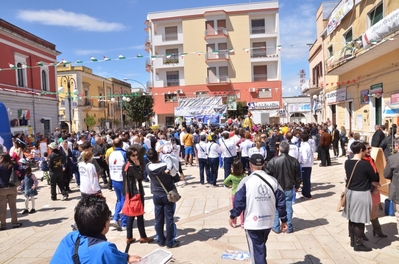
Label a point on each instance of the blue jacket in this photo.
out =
(91, 250)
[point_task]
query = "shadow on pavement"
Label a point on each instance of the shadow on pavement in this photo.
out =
(309, 259)
(302, 224)
(205, 234)
(321, 186)
(27, 223)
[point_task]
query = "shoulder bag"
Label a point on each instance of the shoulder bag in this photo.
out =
(235, 157)
(342, 200)
(132, 206)
(14, 178)
(173, 196)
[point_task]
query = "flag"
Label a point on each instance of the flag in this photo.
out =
(79, 61)
(24, 66)
(12, 66)
(106, 58)
(168, 56)
(279, 48)
(199, 53)
(263, 48)
(139, 56)
(153, 58)
(215, 51)
(93, 59)
(40, 63)
(121, 57)
(246, 50)
(231, 50)
(183, 54)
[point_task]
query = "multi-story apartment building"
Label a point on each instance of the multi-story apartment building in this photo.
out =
(361, 48)
(26, 71)
(90, 95)
(230, 50)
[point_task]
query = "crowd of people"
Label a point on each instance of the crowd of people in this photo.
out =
(279, 155)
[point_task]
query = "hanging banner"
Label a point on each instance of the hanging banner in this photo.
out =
(381, 29)
(364, 97)
(395, 98)
(343, 8)
(201, 106)
(336, 96)
(376, 88)
(231, 103)
(357, 2)
(263, 105)
(305, 107)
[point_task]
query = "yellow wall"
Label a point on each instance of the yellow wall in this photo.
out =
(195, 70)
(240, 63)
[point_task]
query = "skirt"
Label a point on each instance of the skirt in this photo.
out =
(358, 206)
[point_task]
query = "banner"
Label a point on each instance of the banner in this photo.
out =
(357, 2)
(263, 105)
(343, 8)
(231, 103)
(364, 97)
(305, 107)
(201, 106)
(336, 96)
(381, 29)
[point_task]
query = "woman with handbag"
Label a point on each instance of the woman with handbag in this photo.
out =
(8, 191)
(359, 178)
(161, 184)
(133, 185)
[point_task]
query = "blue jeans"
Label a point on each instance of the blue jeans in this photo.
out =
(77, 177)
(306, 172)
(256, 240)
(164, 211)
(203, 164)
(288, 202)
(120, 200)
(245, 163)
(214, 166)
(227, 162)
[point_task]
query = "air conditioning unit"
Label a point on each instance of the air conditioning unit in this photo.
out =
(179, 91)
(252, 90)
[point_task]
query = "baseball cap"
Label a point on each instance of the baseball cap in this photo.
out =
(257, 160)
(53, 145)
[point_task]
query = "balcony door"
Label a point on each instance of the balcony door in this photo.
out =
(174, 56)
(170, 33)
(172, 78)
(221, 25)
(212, 75)
(260, 73)
(259, 49)
(258, 26)
(223, 74)
(209, 27)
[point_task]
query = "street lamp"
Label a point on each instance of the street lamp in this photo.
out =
(121, 100)
(67, 80)
(127, 79)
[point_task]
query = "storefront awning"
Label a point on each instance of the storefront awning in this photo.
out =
(390, 111)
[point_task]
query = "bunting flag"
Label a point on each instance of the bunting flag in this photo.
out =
(262, 48)
(138, 56)
(231, 50)
(246, 50)
(183, 54)
(199, 53)
(12, 66)
(24, 66)
(93, 59)
(40, 64)
(106, 58)
(79, 61)
(215, 52)
(279, 48)
(168, 56)
(153, 58)
(121, 57)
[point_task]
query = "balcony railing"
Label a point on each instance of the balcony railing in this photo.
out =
(258, 53)
(216, 31)
(148, 39)
(258, 30)
(149, 85)
(174, 59)
(218, 79)
(217, 55)
(170, 37)
(172, 82)
(260, 77)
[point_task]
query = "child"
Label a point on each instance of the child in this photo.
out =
(44, 168)
(30, 190)
(237, 174)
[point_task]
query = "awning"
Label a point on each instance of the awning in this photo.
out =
(390, 112)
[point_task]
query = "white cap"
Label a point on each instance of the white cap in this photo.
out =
(80, 142)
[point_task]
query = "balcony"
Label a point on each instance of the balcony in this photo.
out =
(147, 44)
(222, 79)
(216, 33)
(260, 78)
(264, 53)
(172, 62)
(262, 32)
(172, 82)
(217, 56)
(148, 65)
(168, 39)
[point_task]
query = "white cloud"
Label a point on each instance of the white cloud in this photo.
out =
(88, 52)
(63, 18)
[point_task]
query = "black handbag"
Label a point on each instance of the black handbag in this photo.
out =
(14, 178)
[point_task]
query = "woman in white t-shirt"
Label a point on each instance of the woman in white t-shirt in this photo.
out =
(257, 148)
(89, 184)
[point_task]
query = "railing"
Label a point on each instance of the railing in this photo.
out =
(218, 79)
(174, 59)
(258, 30)
(260, 77)
(149, 85)
(148, 39)
(170, 37)
(217, 55)
(216, 31)
(258, 53)
(172, 82)
(148, 62)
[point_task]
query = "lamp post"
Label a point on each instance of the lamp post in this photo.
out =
(121, 100)
(144, 88)
(67, 80)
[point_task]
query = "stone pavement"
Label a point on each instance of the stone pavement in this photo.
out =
(320, 233)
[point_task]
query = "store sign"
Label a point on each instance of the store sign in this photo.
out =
(364, 97)
(395, 98)
(376, 88)
(306, 107)
(263, 105)
(343, 8)
(381, 29)
(336, 96)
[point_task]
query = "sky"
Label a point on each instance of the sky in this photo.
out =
(85, 28)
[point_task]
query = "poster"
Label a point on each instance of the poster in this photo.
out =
(343, 8)
(231, 103)
(364, 97)
(359, 122)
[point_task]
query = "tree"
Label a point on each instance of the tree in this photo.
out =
(90, 121)
(139, 109)
(238, 112)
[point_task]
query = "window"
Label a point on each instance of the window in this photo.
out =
(257, 26)
(44, 81)
(172, 78)
(259, 50)
(101, 100)
(170, 33)
(223, 74)
(264, 93)
(330, 51)
(20, 74)
(376, 15)
(170, 98)
(170, 121)
(172, 56)
(87, 101)
(260, 73)
(348, 36)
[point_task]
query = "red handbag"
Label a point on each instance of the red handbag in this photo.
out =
(133, 206)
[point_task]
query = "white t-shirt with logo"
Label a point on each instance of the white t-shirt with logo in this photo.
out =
(88, 178)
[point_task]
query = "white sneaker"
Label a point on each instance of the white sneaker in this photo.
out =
(123, 228)
(114, 224)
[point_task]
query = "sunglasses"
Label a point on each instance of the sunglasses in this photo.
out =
(369, 148)
(134, 155)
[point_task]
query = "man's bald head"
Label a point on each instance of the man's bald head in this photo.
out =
(118, 143)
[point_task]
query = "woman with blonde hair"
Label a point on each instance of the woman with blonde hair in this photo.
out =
(89, 184)
(257, 148)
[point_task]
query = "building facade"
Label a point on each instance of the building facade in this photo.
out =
(296, 109)
(27, 72)
(361, 49)
(92, 96)
(227, 51)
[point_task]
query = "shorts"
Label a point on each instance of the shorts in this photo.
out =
(188, 150)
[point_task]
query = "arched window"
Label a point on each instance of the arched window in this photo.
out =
(44, 80)
(20, 73)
